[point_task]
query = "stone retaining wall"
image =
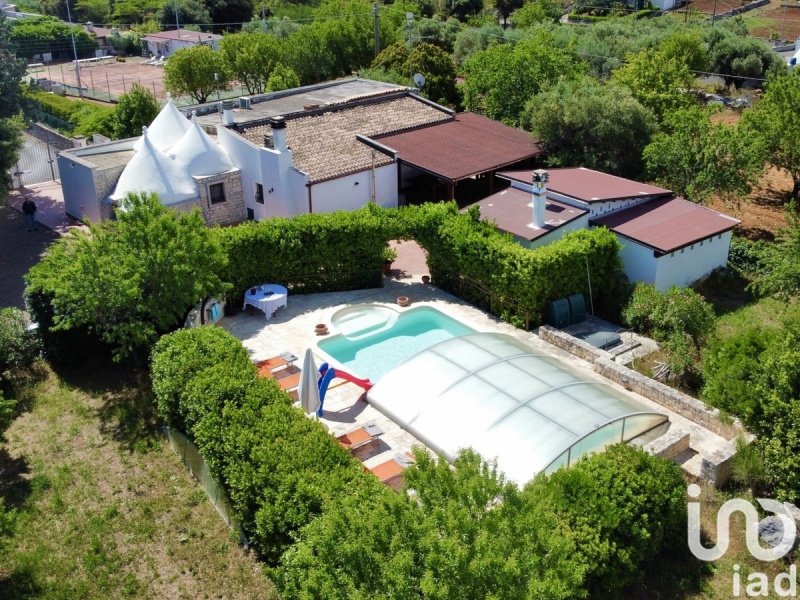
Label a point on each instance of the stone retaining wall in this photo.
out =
(572, 344)
(683, 404)
(669, 445)
(678, 402)
(717, 466)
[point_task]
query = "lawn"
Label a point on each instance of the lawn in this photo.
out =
(106, 509)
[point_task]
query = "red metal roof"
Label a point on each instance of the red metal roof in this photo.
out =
(667, 224)
(590, 186)
(511, 211)
(467, 145)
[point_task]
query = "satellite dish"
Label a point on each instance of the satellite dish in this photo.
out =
(419, 80)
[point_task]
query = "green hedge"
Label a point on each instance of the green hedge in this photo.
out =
(75, 112)
(471, 259)
(279, 468)
(308, 253)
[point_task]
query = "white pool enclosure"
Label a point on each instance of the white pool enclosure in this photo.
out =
(529, 412)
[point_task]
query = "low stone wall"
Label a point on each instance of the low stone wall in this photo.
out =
(51, 136)
(683, 404)
(740, 9)
(572, 344)
(669, 445)
(716, 467)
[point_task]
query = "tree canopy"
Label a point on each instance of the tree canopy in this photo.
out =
(697, 159)
(251, 57)
(136, 109)
(584, 123)
(131, 280)
(191, 71)
(774, 121)
(501, 79)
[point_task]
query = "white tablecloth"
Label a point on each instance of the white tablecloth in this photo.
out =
(267, 298)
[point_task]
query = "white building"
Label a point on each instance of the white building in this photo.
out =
(665, 240)
(332, 146)
(174, 158)
(165, 43)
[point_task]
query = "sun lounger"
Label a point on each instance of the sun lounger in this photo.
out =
(282, 369)
(391, 472)
(355, 439)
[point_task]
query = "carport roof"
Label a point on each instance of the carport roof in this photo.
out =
(467, 145)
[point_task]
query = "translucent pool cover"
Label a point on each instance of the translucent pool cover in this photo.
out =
(491, 392)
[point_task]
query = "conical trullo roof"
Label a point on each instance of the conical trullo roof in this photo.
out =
(150, 170)
(167, 128)
(198, 154)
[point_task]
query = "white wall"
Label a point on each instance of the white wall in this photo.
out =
(595, 209)
(246, 156)
(638, 262)
(581, 222)
(354, 191)
(77, 184)
(689, 264)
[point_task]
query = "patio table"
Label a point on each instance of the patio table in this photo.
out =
(267, 298)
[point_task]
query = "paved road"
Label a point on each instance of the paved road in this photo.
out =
(19, 251)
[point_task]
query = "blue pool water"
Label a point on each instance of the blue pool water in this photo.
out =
(373, 355)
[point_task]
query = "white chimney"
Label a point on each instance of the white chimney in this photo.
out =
(227, 112)
(539, 180)
(89, 26)
(278, 133)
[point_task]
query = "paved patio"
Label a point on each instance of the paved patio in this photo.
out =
(346, 408)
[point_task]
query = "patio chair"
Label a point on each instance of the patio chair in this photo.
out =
(391, 472)
(358, 438)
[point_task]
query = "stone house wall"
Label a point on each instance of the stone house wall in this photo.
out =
(231, 211)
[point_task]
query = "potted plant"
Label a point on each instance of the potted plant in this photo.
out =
(388, 254)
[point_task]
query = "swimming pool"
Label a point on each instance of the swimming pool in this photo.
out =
(379, 338)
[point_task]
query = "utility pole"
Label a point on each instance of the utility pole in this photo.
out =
(376, 28)
(714, 14)
(177, 24)
(74, 52)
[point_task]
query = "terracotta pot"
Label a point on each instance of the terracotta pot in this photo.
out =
(321, 329)
(403, 300)
(426, 279)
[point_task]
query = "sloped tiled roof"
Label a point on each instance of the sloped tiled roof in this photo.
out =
(324, 146)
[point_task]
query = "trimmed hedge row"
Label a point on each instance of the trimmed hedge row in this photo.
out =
(279, 468)
(471, 259)
(308, 253)
(342, 251)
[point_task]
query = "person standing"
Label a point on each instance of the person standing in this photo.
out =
(29, 210)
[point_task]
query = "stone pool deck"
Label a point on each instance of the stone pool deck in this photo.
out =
(292, 330)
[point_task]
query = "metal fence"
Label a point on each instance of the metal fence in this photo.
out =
(197, 466)
(36, 163)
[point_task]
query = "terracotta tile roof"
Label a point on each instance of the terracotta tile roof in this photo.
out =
(667, 224)
(590, 186)
(510, 211)
(467, 145)
(324, 146)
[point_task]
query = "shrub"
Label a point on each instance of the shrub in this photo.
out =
(7, 408)
(623, 506)
(18, 347)
(178, 358)
(744, 256)
(680, 310)
(731, 368)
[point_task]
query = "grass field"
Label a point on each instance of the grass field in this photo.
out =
(106, 510)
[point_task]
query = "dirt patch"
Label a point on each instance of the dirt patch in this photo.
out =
(763, 213)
